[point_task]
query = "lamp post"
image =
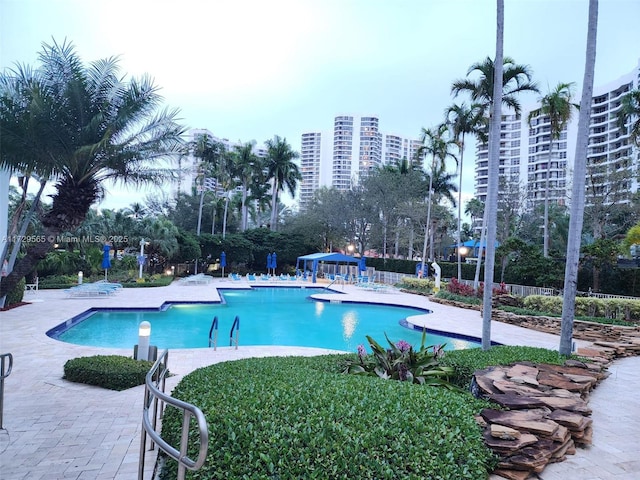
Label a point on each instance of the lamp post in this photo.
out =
(144, 332)
(141, 257)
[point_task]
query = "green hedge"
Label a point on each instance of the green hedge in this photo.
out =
(108, 371)
(611, 308)
(466, 362)
(417, 285)
(295, 417)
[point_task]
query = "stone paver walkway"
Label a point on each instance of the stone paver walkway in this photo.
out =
(55, 429)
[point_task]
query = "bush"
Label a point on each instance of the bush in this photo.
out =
(445, 295)
(466, 362)
(459, 288)
(418, 285)
(108, 371)
(295, 417)
(401, 362)
(609, 308)
(16, 295)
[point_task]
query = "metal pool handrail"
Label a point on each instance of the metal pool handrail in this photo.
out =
(4, 374)
(214, 328)
(236, 327)
(155, 382)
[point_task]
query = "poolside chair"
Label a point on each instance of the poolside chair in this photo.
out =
(265, 277)
(92, 290)
(251, 277)
(235, 277)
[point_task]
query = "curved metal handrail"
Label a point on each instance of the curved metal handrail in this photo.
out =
(154, 392)
(4, 374)
(236, 327)
(214, 327)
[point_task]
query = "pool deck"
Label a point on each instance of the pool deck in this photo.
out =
(55, 429)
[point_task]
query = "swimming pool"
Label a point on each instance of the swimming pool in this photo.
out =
(268, 316)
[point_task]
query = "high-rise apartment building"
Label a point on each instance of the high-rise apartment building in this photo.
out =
(524, 151)
(341, 157)
(190, 168)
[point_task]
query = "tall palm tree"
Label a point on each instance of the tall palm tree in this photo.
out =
(282, 171)
(463, 120)
(491, 212)
(631, 111)
(516, 79)
(578, 190)
(210, 153)
(558, 107)
(435, 143)
(246, 166)
(80, 125)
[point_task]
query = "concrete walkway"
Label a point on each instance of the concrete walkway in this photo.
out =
(55, 429)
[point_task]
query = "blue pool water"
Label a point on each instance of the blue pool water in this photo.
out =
(268, 316)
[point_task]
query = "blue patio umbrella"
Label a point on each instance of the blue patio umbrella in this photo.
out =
(223, 262)
(268, 263)
(106, 259)
(274, 262)
(362, 265)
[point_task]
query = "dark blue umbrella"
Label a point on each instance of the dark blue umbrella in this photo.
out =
(363, 264)
(106, 259)
(268, 262)
(223, 262)
(274, 262)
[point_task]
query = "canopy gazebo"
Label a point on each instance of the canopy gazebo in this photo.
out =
(312, 260)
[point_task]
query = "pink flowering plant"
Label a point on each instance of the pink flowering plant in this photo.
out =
(402, 362)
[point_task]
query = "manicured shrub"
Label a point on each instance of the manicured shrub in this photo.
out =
(16, 295)
(417, 285)
(445, 295)
(108, 371)
(609, 308)
(459, 288)
(294, 417)
(466, 362)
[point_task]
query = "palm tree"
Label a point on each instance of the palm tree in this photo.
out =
(558, 107)
(436, 144)
(210, 153)
(578, 190)
(282, 171)
(631, 111)
(81, 125)
(515, 79)
(464, 120)
(246, 166)
(491, 212)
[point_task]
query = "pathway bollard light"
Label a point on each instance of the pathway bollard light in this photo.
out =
(144, 332)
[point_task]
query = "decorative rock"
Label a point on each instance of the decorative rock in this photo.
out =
(505, 433)
(547, 411)
(506, 446)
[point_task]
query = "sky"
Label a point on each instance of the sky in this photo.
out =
(252, 69)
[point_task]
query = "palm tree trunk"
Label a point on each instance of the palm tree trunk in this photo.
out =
(274, 205)
(545, 239)
(427, 226)
(492, 187)
(460, 210)
(224, 218)
(483, 242)
(244, 207)
(200, 211)
(577, 191)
